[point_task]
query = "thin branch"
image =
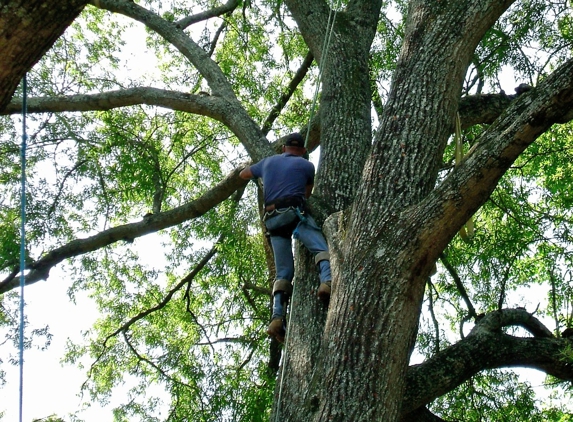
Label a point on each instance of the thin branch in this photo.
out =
(61, 186)
(257, 289)
(433, 315)
(186, 280)
(504, 280)
(239, 340)
(216, 38)
(228, 7)
(554, 297)
(154, 365)
(459, 285)
(292, 86)
(188, 309)
(248, 358)
(249, 299)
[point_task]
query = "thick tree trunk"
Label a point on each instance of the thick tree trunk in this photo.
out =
(28, 28)
(358, 371)
(346, 141)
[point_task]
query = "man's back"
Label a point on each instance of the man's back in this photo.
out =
(284, 176)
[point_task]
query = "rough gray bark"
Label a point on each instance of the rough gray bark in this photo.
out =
(386, 243)
(28, 28)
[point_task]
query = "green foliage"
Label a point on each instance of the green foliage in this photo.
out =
(526, 35)
(479, 400)
(522, 241)
(9, 240)
(208, 321)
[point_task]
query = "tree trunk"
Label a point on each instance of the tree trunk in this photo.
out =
(380, 264)
(28, 28)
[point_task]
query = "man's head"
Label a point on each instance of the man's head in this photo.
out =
(294, 144)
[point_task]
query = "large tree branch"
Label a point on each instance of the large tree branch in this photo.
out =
(293, 85)
(228, 7)
(205, 105)
(39, 270)
(486, 108)
(474, 109)
(234, 115)
(488, 347)
(441, 214)
(28, 28)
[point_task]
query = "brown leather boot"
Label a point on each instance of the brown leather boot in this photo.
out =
(323, 292)
(276, 330)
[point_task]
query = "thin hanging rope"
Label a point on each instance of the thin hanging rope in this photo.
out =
(285, 357)
(22, 240)
(325, 47)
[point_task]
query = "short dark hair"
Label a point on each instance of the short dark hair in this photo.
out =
(294, 140)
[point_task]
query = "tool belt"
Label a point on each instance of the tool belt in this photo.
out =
(283, 215)
(286, 202)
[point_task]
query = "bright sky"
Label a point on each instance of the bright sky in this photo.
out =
(49, 387)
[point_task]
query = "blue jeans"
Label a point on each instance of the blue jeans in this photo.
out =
(311, 236)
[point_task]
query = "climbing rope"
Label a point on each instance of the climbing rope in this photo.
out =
(325, 47)
(467, 231)
(22, 242)
(278, 412)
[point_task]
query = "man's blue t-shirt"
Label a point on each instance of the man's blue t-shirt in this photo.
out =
(284, 175)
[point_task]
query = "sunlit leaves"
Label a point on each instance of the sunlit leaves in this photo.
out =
(527, 38)
(522, 240)
(478, 400)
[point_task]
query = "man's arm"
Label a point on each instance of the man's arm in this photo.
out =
(308, 191)
(246, 173)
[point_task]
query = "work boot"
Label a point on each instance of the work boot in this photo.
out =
(276, 329)
(324, 292)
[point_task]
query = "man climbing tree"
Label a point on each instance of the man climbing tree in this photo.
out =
(287, 184)
(132, 153)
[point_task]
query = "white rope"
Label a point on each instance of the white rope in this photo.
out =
(325, 47)
(285, 356)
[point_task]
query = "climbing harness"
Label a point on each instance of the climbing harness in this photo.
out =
(22, 243)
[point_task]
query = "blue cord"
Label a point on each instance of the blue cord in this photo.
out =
(22, 240)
